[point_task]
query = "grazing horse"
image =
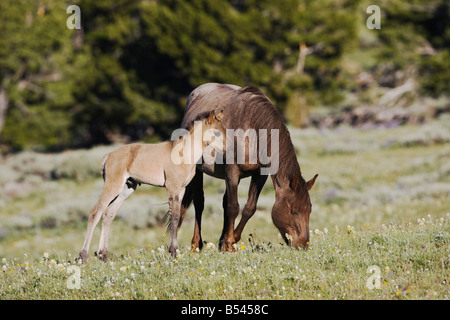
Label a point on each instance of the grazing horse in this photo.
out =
(248, 115)
(169, 164)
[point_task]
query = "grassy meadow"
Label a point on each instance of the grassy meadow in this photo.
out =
(380, 227)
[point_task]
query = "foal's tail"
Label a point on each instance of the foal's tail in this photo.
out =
(102, 167)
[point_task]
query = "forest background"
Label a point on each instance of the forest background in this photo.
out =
(126, 74)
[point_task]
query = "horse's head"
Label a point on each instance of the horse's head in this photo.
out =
(291, 211)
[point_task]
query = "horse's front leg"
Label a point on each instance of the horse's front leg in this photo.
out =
(230, 206)
(256, 185)
(175, 198)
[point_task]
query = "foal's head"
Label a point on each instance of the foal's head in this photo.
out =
(189, 145)
(291, 211)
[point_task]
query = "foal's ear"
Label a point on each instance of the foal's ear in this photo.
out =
(211, 117)
(219, 116)
(310, 183)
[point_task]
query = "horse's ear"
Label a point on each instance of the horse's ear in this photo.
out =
(295, 182)
(310, 183)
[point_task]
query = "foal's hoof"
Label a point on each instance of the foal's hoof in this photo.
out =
(102, 255)
(173, 252)
(83, 256)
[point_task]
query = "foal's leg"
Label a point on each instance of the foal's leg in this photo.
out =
(256, 185)
(109, 215)
(231, 207)
(175, 197)
(109, 194)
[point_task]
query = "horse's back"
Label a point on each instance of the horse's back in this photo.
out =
(205, 98)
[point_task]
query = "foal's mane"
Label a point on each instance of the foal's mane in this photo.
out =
(264, 115)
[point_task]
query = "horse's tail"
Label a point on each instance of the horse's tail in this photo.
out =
(102, 167)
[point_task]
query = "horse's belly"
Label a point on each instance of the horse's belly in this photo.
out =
(214, 169)
(218, 170)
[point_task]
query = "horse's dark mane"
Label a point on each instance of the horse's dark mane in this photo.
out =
(265, 115)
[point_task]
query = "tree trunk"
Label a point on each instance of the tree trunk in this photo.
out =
(4, 102)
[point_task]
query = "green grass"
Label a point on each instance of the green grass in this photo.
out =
(412, 260)
(381, 202)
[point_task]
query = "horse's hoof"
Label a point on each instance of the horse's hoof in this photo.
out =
(227, 246)
(196, 246)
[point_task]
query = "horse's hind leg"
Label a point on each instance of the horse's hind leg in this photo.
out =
(256, 185)
(194, 192)
(199, 204)
(109, 215)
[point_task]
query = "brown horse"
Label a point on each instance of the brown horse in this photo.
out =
(249, 112)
